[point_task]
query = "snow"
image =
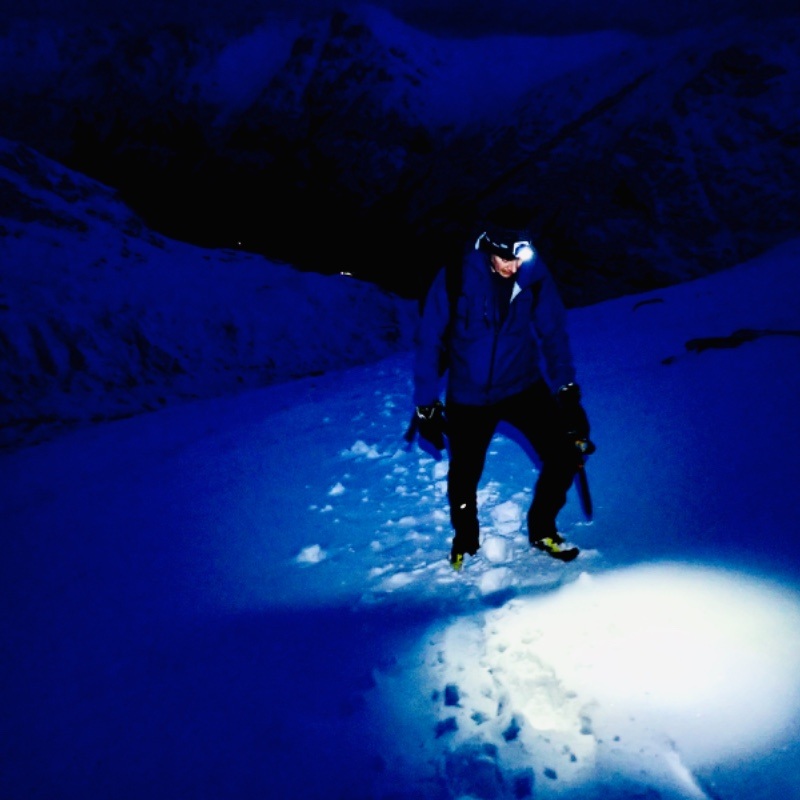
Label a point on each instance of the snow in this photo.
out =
(101, 318)
(244, 592)
(462, 80)
(247, 594)
(237, 75)
(445, 81)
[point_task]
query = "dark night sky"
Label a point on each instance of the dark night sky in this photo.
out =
(457, 17)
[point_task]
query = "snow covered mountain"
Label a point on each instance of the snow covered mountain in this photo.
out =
(676, 158)
(248, 595)
(101, 318)
(644, 161)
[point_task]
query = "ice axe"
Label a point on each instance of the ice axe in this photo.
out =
(585, 448)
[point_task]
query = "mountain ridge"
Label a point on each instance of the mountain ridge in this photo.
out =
(634, 155)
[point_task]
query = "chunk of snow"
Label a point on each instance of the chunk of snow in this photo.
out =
(494, 580)
(361, 448)
(397, 581)
(312, 554)
(496, 549)
(507, 517)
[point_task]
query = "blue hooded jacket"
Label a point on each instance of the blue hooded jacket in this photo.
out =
(491, 356)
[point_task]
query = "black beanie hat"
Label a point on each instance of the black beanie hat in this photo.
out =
(505, 227)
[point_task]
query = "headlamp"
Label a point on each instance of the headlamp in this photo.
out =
(522, 248)
(523, 251)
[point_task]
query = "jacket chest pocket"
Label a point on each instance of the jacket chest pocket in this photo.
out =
(473, 318)
(520, 313)
(478, 315)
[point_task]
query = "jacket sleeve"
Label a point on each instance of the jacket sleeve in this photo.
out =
(550, 322)
(429, 342)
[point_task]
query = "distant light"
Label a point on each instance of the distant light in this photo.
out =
(347, 274)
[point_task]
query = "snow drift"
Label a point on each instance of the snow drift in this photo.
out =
(101, 318)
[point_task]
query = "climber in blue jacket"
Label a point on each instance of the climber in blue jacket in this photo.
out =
(496, 328)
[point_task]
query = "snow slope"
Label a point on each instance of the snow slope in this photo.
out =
(249, 596)
(435, 80)
(102, 318)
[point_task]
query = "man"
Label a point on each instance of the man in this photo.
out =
(500, 329)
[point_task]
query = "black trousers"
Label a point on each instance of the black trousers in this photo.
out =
(535, 414)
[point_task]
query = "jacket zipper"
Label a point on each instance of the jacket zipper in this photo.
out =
(496, 328)
(490, 379)
(491, 321)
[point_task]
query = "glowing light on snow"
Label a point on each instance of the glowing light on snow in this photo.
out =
(651, 673)
(713, 657)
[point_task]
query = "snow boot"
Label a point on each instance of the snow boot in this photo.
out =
(462, 547)
(553, 546)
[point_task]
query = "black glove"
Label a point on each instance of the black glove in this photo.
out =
(574, 419)
(431, 423)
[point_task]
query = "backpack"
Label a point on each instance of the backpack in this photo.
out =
(453, 281)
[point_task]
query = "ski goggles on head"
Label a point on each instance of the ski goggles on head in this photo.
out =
(522, 248)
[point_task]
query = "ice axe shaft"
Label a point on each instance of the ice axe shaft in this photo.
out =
(585, 448)
(411, 430)
(584, 495)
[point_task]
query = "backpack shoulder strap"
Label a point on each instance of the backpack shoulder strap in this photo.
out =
(453, 279)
